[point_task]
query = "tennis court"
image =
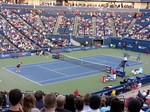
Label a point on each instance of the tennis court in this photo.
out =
(60, 70)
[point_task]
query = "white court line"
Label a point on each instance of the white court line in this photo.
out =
(133, 57)
(53, 71)
(69, 76)
(22, 76)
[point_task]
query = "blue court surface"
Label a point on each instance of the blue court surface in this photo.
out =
(56, 71)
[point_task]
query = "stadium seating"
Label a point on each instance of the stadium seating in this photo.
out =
(32, 28)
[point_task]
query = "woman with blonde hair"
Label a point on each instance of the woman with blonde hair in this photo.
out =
(29, 104)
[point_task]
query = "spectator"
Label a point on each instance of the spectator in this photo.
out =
(79, 104)
(103, 101)
(86, 100)
(60, 104)
(113, 92)
(144, 93)
(147, 51)
(70, 103)
(108, 103)
(15, 97)
(50, 103)
(148, 94)
(148, 102)
(134, 105)
(124, 45)
(94, 103)
(116, 103)
(1, 102)
(140, 95)
(134, 86)
(29, 104)
(39, 99)
(122, 105)
(139, 85)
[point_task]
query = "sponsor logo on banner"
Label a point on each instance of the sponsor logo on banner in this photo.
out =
(104, 46)
(93, 47)
(10, 55)
(119, 44)
(129, 46)
(76, 49)
(87, 47)
(5, 55)
(142, 47)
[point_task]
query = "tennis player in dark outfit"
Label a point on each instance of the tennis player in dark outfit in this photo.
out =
(123, 63)
(18, 67)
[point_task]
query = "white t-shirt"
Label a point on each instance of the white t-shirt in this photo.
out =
(125, 58)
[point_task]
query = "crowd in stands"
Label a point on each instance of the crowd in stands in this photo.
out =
(103, 25)
(85, 25)
(66, 25)
(23, 29)
(15, 36)
(49, 19)
(5, 45)
(141, 28)
(28, 29)
(122, 21)
(51, 102)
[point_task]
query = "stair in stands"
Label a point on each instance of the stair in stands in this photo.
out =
(28, 23)
(129, 27)
(94, 26)
(73, 42)
(75, 25)
(112, 26)
(57, 25)
(39, 19)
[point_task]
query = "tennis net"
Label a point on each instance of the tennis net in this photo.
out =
(93, 65)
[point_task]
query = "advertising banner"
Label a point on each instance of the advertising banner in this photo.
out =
(15, 55)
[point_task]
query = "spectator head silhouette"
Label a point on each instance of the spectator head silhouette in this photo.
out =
(95, 102)
(50, 101)
(79, 104)
(60, 101)
(39, 95)
(15, 96)
(116, 103)
(134, 105)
